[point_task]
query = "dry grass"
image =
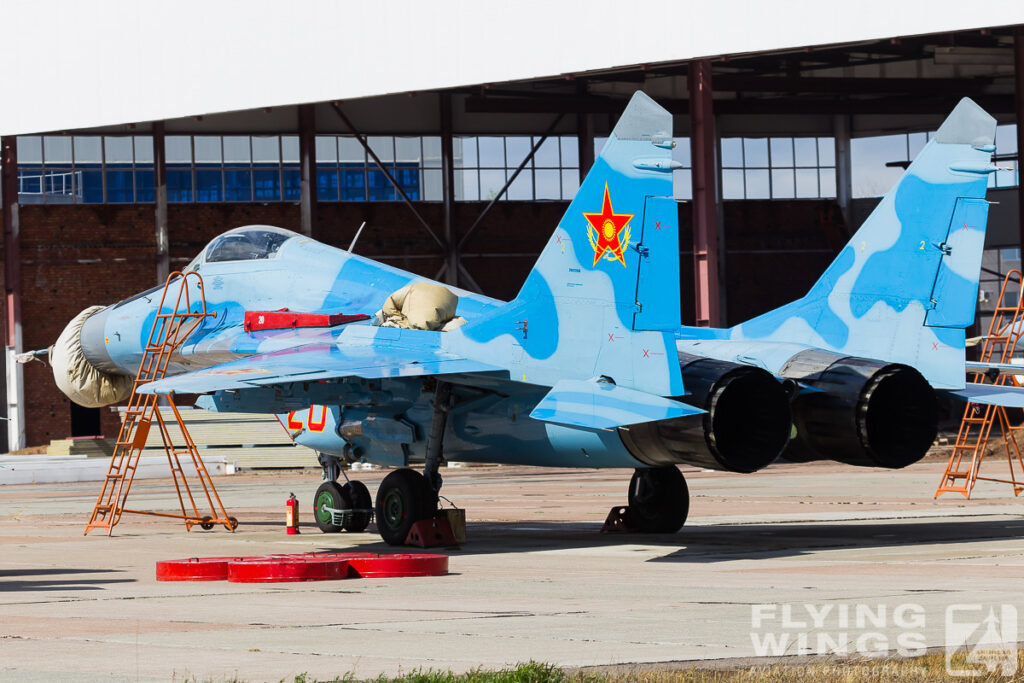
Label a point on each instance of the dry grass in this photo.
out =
(930, 668)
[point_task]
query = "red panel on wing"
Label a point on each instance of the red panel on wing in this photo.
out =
(284, 319)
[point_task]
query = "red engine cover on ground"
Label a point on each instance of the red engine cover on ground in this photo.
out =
(284, 319)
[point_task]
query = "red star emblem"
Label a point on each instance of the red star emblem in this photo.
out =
(607, 230)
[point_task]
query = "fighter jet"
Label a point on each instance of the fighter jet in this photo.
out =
(589, 365)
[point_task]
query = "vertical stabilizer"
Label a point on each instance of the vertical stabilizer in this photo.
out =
(905, 287)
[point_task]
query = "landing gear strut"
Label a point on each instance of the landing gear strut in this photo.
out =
(337, 507)
(658, 500)
(406, 496)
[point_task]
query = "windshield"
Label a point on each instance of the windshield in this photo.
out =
(247, 244)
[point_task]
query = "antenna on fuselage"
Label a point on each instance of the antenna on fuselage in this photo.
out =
(356, 238)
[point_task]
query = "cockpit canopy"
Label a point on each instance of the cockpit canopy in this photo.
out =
(249, 243)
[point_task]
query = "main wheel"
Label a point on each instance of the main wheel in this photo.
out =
(329, 495)
(403, 499)
(658, 499)
(361, 500)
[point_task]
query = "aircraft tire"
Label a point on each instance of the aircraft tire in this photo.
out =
(361, 500)
(403, 499)
(329, 495)
(658, 500)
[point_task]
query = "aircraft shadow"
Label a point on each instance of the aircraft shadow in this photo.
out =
(713, 542)
(55, 584)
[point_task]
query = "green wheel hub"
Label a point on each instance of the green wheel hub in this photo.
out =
(394, 509)
(323, 501)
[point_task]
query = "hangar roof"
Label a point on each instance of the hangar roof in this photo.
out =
(76, 64)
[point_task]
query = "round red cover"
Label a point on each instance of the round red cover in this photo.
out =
(399, 565)
(286, 568)
(194, 569)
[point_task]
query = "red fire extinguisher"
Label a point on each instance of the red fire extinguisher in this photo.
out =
(292, 514)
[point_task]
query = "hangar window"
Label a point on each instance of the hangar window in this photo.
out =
(85, 169)
(483, 164)
(345, 172)
(778, 168)
(878, 161)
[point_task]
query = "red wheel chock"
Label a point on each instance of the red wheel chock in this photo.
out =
(620, 520)
(432, 533)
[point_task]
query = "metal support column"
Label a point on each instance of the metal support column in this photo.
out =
(452, 262)
(12, 290)
(1018, 81)
(584, 136)
(163, 252)
(705, 195)
(307, 168)
(844, 169)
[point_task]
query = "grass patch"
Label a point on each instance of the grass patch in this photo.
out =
(930, 668)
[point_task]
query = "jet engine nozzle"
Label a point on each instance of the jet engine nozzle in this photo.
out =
(75, 370)
(745, 428)
(861, 411)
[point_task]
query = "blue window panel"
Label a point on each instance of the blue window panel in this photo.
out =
(267, 182)
(59, 185)
(208, 185)
(380, 188)
(408, 178)
(352, 185)
(30, 184)
(144, 186)
(179, 184)
(327, 184)
(119, 186)
(237, 185)
(292, 184)
(90, 187)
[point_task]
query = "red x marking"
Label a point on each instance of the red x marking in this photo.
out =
(657, 225)
(645, 354)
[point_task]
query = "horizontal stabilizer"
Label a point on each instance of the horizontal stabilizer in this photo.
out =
(602, 405)
(990, 394)
(312, 363)
(999, 368)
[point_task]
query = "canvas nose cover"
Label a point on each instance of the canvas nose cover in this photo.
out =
(79, 379)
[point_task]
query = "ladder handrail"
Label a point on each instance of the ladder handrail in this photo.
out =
(167, 333)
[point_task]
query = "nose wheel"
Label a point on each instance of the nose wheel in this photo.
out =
(339, 507)
(658, 500)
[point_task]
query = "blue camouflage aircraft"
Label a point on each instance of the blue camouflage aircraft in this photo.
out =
(589, 365)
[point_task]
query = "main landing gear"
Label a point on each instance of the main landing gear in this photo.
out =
(403, 498)
(658, 500)
(406, 496)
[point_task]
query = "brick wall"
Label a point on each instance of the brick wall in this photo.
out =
(78, 256)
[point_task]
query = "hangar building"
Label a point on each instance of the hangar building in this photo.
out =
(132, 134)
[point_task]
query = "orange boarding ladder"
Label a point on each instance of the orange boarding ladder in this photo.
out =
(170, 328)
(964, 467)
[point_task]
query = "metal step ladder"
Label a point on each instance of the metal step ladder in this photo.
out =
(171, 326)
(964, 467)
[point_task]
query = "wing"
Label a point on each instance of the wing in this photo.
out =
(316, 362)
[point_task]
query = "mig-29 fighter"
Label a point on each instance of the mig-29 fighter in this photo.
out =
(589, 365)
